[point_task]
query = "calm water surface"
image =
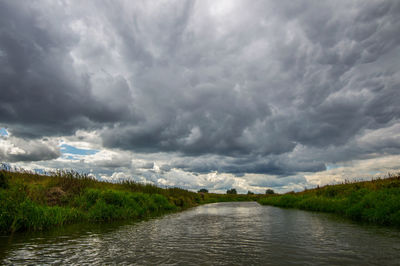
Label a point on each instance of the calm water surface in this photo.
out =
(216, 234)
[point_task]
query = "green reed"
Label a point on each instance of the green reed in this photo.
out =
(29, 201)
(376, 201)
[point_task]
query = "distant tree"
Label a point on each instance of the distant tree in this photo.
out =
(250, 193)
(203, 190)
(231, 191)
(269, 191)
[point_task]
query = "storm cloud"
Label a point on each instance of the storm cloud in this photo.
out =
(236, 87)
(16, 150)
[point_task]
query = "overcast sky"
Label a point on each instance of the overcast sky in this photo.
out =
(202, 94)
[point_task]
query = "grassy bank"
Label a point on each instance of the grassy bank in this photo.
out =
(376, 201)
(36, 202)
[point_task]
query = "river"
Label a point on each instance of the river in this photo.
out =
(240, 233)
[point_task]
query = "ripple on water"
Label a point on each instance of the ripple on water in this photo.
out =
(215, 234)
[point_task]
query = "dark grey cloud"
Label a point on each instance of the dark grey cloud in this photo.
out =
(319, 95)
(42, 94)
(19, 150)
(279, 165)
(277, 182)
(236, 87)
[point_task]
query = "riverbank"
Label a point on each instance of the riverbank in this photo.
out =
(37, 202)
(376, 201)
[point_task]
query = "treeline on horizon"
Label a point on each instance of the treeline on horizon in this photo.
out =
(376, 201)
(31, 201)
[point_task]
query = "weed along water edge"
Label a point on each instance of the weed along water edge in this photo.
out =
(375, 202)
(33, 202)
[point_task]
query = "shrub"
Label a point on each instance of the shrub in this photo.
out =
(231, 191)
(269, 192)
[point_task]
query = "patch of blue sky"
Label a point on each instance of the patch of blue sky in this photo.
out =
(3, 132)
(374, 172)
(332, 166)
(71, 150)
(39, 171)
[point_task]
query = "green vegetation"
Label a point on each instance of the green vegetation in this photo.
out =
(269, 191)
(231, 191)
(38, 202)
(376, 201)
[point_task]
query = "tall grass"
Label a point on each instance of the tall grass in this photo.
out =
(376, 201)
(30, 201)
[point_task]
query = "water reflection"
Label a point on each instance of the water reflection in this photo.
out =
(215, 234)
